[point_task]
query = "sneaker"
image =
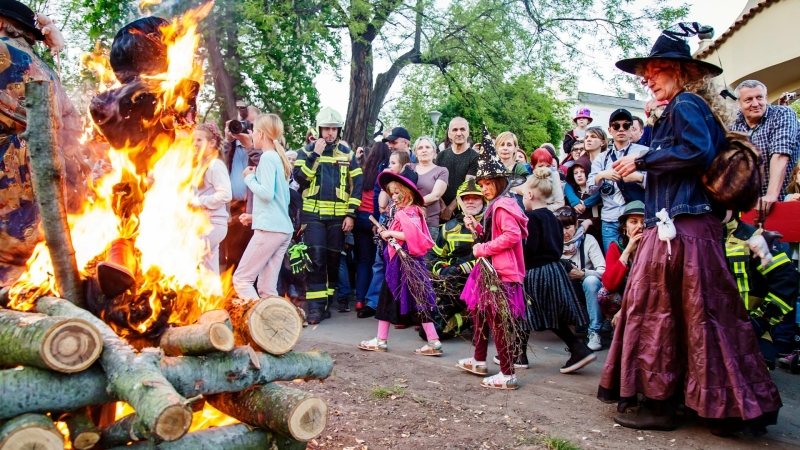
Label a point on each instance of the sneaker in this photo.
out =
(365, 312)
(521, 364)
(344, 306)
(315, 316)
(326, 314)
(594, 342)
(580, 355)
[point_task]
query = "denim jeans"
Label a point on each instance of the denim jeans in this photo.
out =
(343, 286)
(609, 233)
(378, 273)
(591, 286)
(364, 250)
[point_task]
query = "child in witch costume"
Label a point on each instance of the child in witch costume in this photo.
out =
(407, 286)
(553, 303)
(494, 289)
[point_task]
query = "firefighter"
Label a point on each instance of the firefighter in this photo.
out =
(768, 286)
(330, 181)
(452, 260)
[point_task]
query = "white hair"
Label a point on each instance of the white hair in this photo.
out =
(291, 154)
(425, 138)
(749, 84)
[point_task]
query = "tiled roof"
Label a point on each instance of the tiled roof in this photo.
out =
(736, 25)
(617, 102)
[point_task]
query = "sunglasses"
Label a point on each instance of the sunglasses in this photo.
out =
(564, 213)
(625, 126)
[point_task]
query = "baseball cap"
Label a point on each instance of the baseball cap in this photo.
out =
(620, 114)
(398, 133)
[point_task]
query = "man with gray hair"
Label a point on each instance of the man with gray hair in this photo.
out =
(461, 162)
(774, 131)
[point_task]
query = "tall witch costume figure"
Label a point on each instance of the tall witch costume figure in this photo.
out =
(493, 292)
(683, 334)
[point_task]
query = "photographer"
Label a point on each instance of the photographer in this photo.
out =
(615, 190)
(239, 154)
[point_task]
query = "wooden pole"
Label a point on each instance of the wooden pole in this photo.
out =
(48, 181)
(271, 324)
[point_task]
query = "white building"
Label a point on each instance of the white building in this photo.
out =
(602, 106)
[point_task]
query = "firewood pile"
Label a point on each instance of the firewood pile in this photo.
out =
(53, 375)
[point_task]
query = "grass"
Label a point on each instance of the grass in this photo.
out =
(555, 443)
(379, 392)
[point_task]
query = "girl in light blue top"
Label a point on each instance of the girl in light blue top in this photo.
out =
(271, 223)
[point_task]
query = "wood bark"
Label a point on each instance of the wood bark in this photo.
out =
(30, 431)
(197, 339)
(231, 437)
(271, 324)
(215, 316)
(56, 343)
(357, 123)
(285, 410)
(120, 432)
(48, 181)
(83, 434)
(223, 81)
(134, 378)
(29, 389)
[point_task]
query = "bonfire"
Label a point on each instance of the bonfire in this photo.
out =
(116, 334)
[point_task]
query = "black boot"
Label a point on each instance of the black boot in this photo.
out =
(580, 355)
(648, 417)
(365, 312)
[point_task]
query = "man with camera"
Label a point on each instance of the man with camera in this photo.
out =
(239, 153)
(616, 191)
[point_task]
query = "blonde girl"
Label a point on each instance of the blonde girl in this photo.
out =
(214, 192)
(271, 223)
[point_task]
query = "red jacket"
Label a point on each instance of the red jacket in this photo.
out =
(509, 228)
(616, 274)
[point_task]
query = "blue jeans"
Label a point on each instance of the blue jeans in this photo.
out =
(364, 250)
(609, 233)
(378, 273)
(343, 285)
(591, 286)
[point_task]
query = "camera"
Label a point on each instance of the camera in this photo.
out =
(791, 95)
(607, 188)
(240, 126)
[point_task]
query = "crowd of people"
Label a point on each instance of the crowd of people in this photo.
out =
(625, 234)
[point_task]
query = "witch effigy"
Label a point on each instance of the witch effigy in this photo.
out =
(493, 292)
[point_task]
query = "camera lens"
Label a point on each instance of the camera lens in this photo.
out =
(607, 188)
(236, 127)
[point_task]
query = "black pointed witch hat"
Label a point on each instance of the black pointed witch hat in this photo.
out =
(672, 46)
(489, 164)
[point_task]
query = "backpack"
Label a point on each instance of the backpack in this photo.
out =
(733, 179)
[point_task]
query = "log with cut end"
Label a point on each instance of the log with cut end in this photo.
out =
(57, 343)
(271, 324)
(120, 432)
(30, 431)
(29, 389)
(197, 339)
(285, 410)
(161, 412)
(215, 316)
(231, 437)
(83, 433)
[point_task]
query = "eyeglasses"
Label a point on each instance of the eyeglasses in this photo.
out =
(646, 79)
(625, 126)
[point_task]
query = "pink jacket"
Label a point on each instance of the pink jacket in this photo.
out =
(509, 228)
(411, 221)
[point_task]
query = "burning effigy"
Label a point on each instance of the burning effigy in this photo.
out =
(144, 344)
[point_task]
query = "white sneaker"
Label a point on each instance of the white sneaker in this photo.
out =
(594, 343)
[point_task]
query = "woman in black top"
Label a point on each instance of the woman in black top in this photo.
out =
(553, 304)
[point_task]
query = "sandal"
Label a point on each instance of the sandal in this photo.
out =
(500, 381)
(374, 345)
(472, 366)
(432, 348)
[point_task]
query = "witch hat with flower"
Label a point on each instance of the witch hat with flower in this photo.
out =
(489, 164)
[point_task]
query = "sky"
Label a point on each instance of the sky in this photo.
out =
(720, 14)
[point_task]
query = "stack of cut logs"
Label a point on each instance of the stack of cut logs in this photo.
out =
(229, 359)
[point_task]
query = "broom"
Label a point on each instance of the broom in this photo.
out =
(414, 275)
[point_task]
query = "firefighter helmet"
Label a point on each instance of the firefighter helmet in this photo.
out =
(328, 117)
(469, 187)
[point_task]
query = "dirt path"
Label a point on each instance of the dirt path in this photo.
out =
(396, 400)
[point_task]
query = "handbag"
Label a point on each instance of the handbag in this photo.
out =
(610, 302)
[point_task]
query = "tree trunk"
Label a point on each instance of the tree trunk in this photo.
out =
(223, 82)
(358, 124)
(285, 410)
(56, 343)
(30, 431)
(191, 376)
(231, 437)
(120, 432)
(215, 316)
(134, 378)
(48, 182)
(271, 324)
(197, 339)
(83, 434)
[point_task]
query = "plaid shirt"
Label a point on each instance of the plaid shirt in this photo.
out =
(777, 133)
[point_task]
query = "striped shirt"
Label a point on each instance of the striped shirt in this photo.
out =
(776, 133)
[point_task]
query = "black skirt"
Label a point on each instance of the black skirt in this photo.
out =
(552, 302)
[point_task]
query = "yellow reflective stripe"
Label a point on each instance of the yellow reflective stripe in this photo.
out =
(308, 172)
(356, 172)
(772, 298)
(460, 238)
(439, 251)
(313, 295)
(778, 260)
(300, 162)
